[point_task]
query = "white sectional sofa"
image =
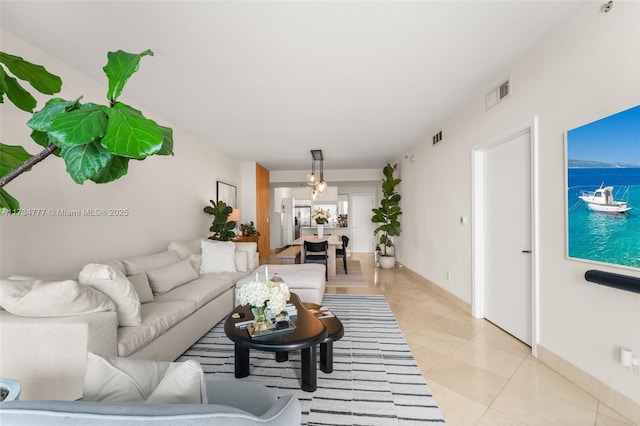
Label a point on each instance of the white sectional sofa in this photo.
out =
(47, 354)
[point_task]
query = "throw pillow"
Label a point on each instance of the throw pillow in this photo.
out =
(185, 248)
(242, 260)
(36, 298)
(137, 265)
(218, 256)
(142, 287)
(196, 260)
(117, 287)
(168, 277)
(114, 379)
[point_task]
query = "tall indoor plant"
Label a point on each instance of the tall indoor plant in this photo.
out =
(387, 217)
(96, 142)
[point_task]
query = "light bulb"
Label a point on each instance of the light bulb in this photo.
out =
(313, 193)
(311, 179)
(322, 187)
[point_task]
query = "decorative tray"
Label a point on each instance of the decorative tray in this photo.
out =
(273, 330)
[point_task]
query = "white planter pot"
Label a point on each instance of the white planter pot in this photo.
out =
(320, 230)
(387, 262)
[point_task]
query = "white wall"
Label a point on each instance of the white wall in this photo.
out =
(163, 195)
(587, 70)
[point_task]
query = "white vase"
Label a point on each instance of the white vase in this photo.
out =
(320, 230)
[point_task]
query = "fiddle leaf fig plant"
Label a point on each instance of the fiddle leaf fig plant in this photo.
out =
(221, 229)
(96, 142)
(387, 215)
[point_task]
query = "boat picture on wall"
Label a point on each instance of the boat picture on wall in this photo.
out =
(601, 200)
(603, 190)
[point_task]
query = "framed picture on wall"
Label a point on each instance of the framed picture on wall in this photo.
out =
(227, 193)
(603, 190)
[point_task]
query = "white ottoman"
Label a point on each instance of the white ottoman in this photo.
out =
(306, 279)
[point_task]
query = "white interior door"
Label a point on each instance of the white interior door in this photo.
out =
(361, 225)
(506, 235)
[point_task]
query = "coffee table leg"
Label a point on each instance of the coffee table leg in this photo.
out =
(241, 361)
(309, 369)
(282, 356)
(326, 357)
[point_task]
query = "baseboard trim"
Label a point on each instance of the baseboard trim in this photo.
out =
(615, 400)
(461, 304)
(618, 402)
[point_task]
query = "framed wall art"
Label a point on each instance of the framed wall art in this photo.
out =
(603, 190)
(227, 193)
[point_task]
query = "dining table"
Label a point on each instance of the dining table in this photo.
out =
(333, 240)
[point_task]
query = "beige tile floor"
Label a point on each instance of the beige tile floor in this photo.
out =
(479, 374)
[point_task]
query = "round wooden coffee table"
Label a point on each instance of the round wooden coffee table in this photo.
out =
(309, 332)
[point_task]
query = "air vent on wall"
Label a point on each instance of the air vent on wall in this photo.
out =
(498, 94)
(437, 137)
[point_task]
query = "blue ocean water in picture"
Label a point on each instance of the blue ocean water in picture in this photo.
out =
(603, 237)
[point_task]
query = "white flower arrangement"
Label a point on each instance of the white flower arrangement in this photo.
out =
(261, 294)
(321, 216)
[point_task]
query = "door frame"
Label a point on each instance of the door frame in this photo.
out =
(477, 254)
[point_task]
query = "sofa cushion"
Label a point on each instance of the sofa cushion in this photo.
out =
(200, 291)
(157, 318)
(137, 265)
(241, 260)
(252, 253)
(37, 298)
(218, 256)
(114, 379)
(171, 276)
(141, 284)
(117, 287)
(186, 248)
(118, 265)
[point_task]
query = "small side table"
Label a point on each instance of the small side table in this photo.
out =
(335, 331)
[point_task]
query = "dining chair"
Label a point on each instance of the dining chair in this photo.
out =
(317, 252)
(342, 252)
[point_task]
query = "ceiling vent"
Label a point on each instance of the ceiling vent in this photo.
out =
(437, 137)
(498, 94)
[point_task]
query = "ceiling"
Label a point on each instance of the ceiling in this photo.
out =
(268, 81)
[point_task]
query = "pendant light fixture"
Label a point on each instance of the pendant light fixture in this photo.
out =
(317, 182)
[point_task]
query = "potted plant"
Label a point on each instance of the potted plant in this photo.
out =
(387, 217)
(249, 230)
(221, 228)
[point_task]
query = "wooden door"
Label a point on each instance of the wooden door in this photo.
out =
(263, 209)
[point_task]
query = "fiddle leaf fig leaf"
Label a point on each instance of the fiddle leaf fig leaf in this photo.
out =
(129, 134)
(42, 119)
(8, 202)
(12, 156)
(79, 126)
(44, 139)
(41, 79)
(84, 161)
(17, 94)
(3, 85)
(120, 66)
(167, 141)
(116, 168)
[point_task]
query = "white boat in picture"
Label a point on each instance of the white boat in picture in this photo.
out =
(601, 200)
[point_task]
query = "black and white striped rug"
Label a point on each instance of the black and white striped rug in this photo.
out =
(375, 380)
